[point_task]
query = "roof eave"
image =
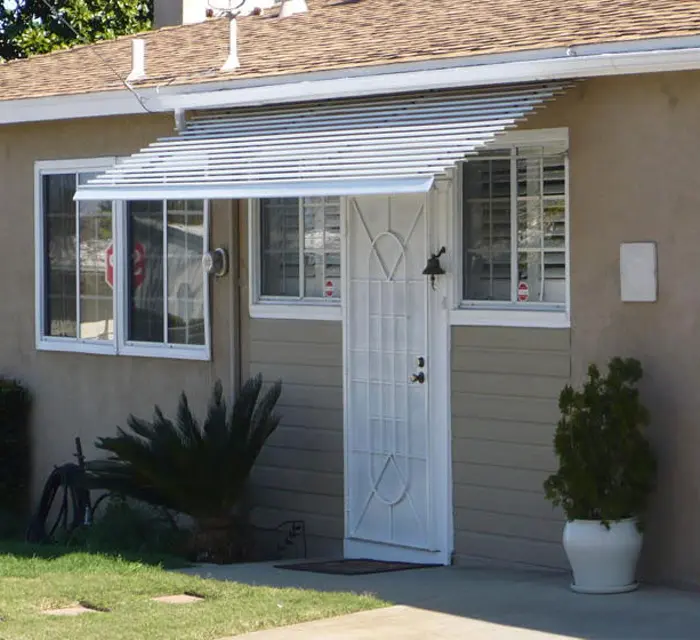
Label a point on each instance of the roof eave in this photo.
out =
(632, 57)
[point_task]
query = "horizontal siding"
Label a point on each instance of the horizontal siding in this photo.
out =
(505, 386)
(299, 474)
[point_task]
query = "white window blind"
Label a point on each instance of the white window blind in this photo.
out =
(515, 226)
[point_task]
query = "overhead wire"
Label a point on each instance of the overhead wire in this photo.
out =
(57, 16)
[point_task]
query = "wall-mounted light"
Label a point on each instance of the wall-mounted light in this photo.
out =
(434, 268)
(216, 262)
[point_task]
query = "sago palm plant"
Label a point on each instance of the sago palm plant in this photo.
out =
(197, 470)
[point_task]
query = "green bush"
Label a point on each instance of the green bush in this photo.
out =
(15, 461)
(198, 470)
(120, 526)
(607, 468)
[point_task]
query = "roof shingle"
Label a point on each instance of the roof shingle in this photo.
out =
(337, 34)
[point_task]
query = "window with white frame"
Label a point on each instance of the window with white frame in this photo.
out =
(514, 228)
(299, 250)
(121, 278)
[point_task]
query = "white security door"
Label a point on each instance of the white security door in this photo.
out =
(392, 506)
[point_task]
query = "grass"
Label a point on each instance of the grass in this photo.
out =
(34, 579)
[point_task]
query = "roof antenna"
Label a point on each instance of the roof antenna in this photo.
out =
(232, 62)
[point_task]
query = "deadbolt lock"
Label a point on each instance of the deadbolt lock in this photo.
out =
(420, 361)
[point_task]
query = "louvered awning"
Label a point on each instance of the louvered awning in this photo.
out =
(386, 145)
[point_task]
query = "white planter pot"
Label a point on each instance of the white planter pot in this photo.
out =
(603, 560)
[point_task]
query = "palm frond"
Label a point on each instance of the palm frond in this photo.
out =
(198, 470)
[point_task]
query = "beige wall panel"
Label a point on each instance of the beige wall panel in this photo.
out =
(510, 431)
(77, 394)
(511, 550)
(507, 524)
(505, 501)
(505, 385)
(503, 454)
(303, 466)
(530, 363)
(474, 405)
(486, 475)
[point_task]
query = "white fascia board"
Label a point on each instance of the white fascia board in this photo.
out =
(569, 67)
(640, 56)
(368, 186)
(88, 105)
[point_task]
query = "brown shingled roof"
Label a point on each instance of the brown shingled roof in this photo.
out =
(337, 34)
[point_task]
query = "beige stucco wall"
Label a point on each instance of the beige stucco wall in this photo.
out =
(77, 394)
(634, 159)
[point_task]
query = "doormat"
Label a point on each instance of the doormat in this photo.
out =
(349, 567)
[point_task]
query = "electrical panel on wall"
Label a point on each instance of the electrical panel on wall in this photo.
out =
(638, 272)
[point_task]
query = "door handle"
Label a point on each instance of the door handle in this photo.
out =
(418, 377)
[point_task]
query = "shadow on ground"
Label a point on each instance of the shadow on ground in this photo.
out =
(522, 599)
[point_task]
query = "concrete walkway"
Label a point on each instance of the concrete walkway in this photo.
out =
(478, 602)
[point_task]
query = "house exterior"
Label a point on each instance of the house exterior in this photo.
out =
(356, 140)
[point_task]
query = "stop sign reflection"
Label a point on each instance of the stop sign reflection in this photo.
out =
(138, 262)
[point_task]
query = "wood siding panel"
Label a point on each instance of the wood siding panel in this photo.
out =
(299, 474)
(505, 386)
(509, 549)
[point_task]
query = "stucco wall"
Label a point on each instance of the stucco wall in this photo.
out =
(634, 159)
(77, 394)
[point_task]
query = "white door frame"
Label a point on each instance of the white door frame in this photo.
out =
(439, 209)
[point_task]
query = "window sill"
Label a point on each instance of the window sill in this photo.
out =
(134, 350)
(202, 354)
(68, 345)
(298, 311)
(483, 317)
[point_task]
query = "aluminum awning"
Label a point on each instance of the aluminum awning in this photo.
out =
(395, 144)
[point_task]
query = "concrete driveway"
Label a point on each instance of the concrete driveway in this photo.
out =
(478, 602)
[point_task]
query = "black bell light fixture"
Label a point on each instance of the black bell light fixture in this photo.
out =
(434, 268)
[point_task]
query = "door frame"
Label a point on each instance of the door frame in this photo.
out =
(439, 210)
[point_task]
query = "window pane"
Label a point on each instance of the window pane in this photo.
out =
(322, 244)
(548, 288)
(60, 234)
(96, 281)
(487, 230)
(555, 223)
(313, 274)
(279, 247)
(530, 224)
(332, 278)
(146, 282)
(185, 275)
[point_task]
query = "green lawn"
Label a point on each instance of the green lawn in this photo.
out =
(36, 579)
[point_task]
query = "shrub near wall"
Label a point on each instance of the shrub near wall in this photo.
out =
(15, 461)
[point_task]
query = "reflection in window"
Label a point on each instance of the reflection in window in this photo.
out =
(59, 233)
(96, 276)
(166, 295)
(515, 209)
(302, 231)
(77, 239)
(185, 274)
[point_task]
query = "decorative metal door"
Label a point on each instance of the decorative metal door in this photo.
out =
(388, 502)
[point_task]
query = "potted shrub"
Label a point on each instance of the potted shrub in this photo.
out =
(605, 477)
